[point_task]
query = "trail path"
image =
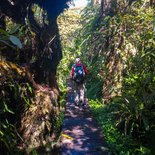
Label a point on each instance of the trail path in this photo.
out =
(80, 134)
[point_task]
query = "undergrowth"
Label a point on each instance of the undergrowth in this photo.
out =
(118, 143)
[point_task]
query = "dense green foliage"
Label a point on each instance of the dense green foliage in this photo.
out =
(29, 53)
(119, 52)
(16, 94)
(69, 23)
(118, 142)
(118, 49)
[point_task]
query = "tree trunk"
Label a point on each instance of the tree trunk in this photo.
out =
(152, 3)
(103, 7)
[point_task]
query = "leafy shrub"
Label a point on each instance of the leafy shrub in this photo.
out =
(118, 143)
(16, 92)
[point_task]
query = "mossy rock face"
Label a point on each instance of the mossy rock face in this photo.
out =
(29, 109)
(37, 122)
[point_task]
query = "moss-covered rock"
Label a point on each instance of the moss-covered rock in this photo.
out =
(27, 111)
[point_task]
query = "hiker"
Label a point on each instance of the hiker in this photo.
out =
(78, 73)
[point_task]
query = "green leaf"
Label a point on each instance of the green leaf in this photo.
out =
(1, 133)
(6, 43)
(29, 88)
(14, 29)
(7, 109)
(3, 32)
(15, 41)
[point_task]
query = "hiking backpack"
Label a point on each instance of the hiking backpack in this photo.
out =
(79, 73)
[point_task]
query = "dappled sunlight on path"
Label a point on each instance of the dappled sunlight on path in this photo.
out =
(80, 134)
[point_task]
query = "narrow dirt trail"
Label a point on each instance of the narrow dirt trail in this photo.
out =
(80, 134)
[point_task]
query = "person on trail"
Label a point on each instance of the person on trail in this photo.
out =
(78, 74)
